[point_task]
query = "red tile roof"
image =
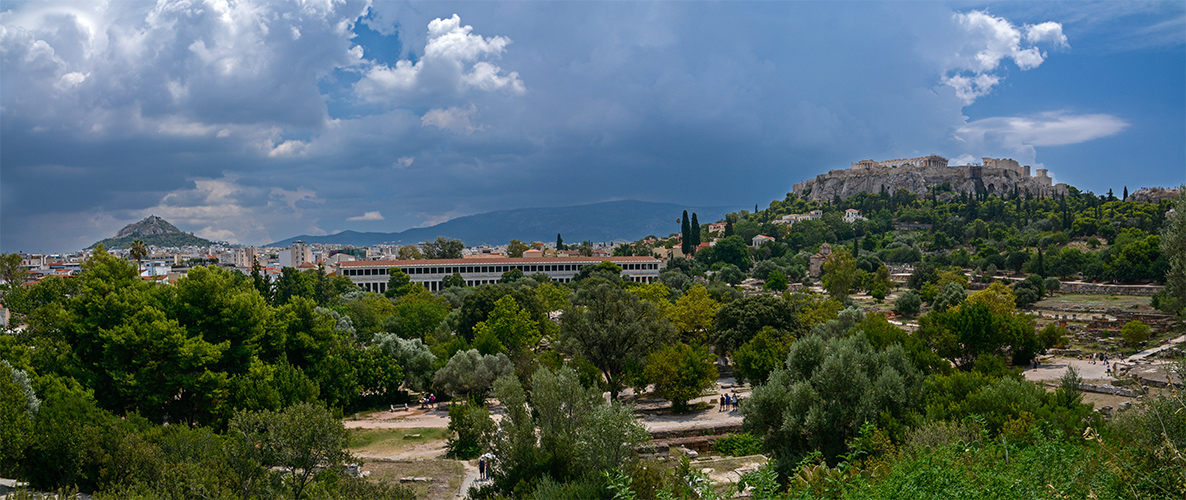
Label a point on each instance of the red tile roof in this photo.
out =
(482, 262)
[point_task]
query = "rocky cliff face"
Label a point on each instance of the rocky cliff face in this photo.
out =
(920, 179)
(1153, 195)
(150, 226)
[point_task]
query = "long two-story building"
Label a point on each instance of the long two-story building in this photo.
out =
(372, 275)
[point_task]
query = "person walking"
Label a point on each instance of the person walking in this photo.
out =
(722, 407)
(482, 469)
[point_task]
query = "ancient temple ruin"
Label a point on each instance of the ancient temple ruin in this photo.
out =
(999, 176)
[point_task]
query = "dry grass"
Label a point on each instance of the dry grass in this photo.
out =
(444, 475)
(1094, 301)
(392, 442)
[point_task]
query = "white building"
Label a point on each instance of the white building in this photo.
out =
(760, 239)
(296, 255)
(373, 274)
(852, 215)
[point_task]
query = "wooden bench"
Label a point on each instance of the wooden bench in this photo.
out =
(399, 407)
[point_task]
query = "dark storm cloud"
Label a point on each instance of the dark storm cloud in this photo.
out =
(255, 121)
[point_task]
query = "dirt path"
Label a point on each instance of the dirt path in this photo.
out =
(471, 477)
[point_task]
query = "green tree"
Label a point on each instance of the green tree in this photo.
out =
(680, 372)
(908, 303)
(694, 313)
(1173, 247)
(839, 273)
(307, 438)
(410, 252)
(951, 295)
(695, 231)
(398, 283)
(614, 330)
(685, 231)
(559, 242)
(509, 326)
(776, 281)
(1134, 332)
(11, 270)
(443, 248)
(739, 321)
(453, 281)
(516, 248)
(764, 353)
(469, 426)
(472, 374)
(416, 359)
(827, 391)
(18, 410)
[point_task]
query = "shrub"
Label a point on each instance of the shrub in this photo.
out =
(1134, 332)
(738, 445)
(908, 303)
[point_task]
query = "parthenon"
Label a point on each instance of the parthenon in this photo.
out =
(921, 161)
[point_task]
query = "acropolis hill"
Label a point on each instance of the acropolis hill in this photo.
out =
(919, 175)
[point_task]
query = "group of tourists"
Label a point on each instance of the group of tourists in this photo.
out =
(428, 401)
(729, 402)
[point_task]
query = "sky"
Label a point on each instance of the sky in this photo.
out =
(254, 121)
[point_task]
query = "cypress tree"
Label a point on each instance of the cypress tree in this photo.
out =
(695, 231)
(685, 234)
(559, 242)
(728, 228)
(1125, 194)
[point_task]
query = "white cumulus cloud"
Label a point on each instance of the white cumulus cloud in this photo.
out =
(455, 60)
(988, 41)
(368, 216)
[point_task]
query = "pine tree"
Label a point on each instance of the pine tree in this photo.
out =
(685, 234)
(695, 231)
(1111, 197)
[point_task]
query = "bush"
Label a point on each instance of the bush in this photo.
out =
(1052, 285)
(1134, 332)
(908, 303)
(738, 445)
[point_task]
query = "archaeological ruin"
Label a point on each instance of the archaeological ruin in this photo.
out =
(922, 174)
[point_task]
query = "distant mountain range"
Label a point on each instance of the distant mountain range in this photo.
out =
(153, 231)
(608, 221)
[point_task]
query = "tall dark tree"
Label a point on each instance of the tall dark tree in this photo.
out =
(258, 281)
(1125, 194)
(685, 229)
(728, 229)
(559, 242)
(695, 231)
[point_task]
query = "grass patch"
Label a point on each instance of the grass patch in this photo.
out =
(1103, 301)
(445, 476)
(392, 441)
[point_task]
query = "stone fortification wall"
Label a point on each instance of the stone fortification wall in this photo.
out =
(998, 176)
